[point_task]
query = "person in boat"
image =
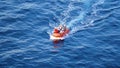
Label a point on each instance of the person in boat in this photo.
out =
(60, 29)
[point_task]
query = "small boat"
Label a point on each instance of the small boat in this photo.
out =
(59, 33)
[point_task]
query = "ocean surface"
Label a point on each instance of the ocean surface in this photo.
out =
(93, 41)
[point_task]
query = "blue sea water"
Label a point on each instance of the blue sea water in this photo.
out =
(93, 41)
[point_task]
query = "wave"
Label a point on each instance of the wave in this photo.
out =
(78, 15)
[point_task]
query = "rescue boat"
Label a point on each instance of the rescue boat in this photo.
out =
(57, 35)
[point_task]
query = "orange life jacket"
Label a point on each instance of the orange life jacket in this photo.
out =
(58, 34)
(56, 30)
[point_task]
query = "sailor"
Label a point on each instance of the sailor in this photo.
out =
(60, 29)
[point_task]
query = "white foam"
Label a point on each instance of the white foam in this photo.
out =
(56, 38)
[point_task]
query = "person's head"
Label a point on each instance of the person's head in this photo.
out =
(60, 26)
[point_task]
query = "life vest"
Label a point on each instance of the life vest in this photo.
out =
(56, 30)
(58, 34)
